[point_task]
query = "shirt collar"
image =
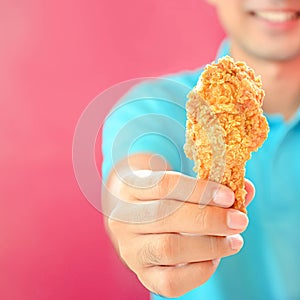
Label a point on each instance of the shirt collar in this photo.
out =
(224, 49)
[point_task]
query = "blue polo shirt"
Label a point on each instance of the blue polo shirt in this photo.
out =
(151, 118)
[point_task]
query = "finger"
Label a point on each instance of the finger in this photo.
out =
(250, 191)
(192, 218)
(150, 185)
(173, 282)
(174, 249)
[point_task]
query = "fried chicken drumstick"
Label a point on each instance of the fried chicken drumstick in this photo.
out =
(225, 123)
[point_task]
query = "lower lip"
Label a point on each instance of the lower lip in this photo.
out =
(286, 25)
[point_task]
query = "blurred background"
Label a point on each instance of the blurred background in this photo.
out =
(55, 57)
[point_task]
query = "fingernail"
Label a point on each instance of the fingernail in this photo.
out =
(236, 241)
(236, 219)
(223, 197)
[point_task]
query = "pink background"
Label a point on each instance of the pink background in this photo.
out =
(55, 57)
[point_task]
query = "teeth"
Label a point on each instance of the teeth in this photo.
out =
(277, 16)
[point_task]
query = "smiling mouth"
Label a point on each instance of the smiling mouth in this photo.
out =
(277, 16)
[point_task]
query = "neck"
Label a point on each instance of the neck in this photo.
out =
(281, 82)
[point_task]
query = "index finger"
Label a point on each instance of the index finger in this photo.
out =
(158, 185)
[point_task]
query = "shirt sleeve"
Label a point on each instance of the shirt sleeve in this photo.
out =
(208, 291)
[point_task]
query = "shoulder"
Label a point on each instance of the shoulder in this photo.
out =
(170, 87)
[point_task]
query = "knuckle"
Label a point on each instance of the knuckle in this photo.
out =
(212, 245)
(163, 185)
(216, 246)
(202, 218)
(164, 210)
(168, 183)
(163, 222)
(170, 246)
(161, 252)
(150, 255)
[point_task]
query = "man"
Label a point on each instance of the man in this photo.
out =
(179, 253)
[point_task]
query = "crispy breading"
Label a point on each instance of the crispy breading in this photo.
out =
(225, 123)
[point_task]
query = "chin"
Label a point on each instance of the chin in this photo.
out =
(278, 56)
(271, 52)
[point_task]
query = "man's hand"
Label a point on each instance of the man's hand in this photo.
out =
(191, 228)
